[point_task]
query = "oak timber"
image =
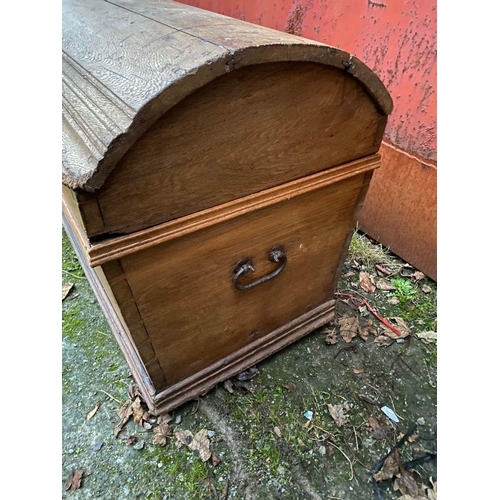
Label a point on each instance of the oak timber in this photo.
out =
(126, 63)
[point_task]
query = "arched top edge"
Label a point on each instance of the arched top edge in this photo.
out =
(90, 151)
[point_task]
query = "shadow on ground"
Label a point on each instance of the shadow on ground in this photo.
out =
(310, 423)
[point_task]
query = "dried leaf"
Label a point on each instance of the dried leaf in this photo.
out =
(74, 480)
(277, 431)
(367, 330)
(426, 289)
(383, 341)
(66, 289)
(417, 275)
(215, 459)
(165, 418)
(432, 493)
(94, 411)
(125, 412)
(339, 413)
(161, 433)
(408, 483)
(139, 413)
(393, 301)
(384, 285)
(348, 274)
(366, 282)
(357, 371)
(349, 328)
(382, 269)
(228, 385)
(411, 439)
(430, 336)
(390, 467)
(399, 324)
(332, 338)
(366, 399)
(199, 443)
(291, 387)
(130, 440)
(379, 431)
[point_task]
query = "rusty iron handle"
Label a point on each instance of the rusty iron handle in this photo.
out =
(276, 254)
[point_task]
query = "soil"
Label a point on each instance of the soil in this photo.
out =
(272, 436)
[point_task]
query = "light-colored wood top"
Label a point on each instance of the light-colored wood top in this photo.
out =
(127, 62)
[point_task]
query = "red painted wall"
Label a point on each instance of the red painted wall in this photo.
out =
(397, 40)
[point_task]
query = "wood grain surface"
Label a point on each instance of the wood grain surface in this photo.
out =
(247, 131)
(126, 63)
(183, 288)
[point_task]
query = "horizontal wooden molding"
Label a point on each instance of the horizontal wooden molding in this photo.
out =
(116, 248)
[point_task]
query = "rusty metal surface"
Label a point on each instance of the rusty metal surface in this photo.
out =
(400, 208)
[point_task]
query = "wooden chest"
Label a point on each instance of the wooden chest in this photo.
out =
(212, 171)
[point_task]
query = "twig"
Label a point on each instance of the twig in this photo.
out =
(346, 457)
(74, 275)
(109, 396)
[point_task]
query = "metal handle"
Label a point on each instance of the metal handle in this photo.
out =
(276, 254)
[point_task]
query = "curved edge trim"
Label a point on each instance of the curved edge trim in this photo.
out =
(188, 83)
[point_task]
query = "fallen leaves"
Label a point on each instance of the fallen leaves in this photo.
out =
(162, 432)
(399, 324)
(198, 443)
(349, 327)
(133, 408)
(66, 288)
(428, 336)
(339, 413)
(91, 413)
(74, 480)
(366, 282)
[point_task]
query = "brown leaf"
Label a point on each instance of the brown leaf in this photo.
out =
(66, 289)
(426, 289)
(367, 330)
(228, 385)
(399, 324)
(384, 285)
(390, 467)
(332, 338)
(429, 336)
(408, 483)
(161, 433)
(357, 371)
(339, 413)
(94, 411)
(349, 328)
(366, 282)
(277, 431)
(74, 480)
(199, 443)
(291, 387)
(417, 275)
(394, 301)
(165, 418)
(125, 412)
(383, 341)
(379, 431)
(382, 269)
(130, 440)
(139, 413)
(215, 459)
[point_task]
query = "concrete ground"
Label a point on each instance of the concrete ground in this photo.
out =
(312, 422)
